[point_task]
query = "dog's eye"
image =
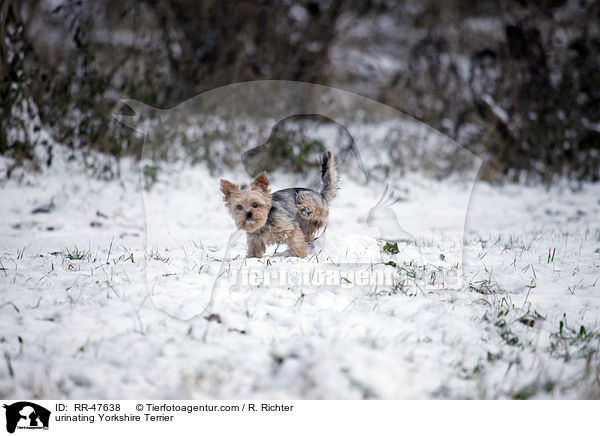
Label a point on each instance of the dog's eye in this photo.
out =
(255, 204)
(239, 207)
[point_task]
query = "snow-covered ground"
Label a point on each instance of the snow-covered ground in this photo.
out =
(87, 312)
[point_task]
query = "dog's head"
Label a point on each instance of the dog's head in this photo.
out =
(250, 207)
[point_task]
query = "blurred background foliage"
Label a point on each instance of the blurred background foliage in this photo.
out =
(515, 81)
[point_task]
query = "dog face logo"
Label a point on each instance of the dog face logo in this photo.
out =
(280, 126)
(26, 415)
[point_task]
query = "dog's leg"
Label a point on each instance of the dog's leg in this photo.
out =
(256, 246)
(311, 215)
(310, 229)
(296, 243)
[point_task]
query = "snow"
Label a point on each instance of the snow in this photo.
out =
(117, 292)
(298, 13)
(498, 111)
(590, 126)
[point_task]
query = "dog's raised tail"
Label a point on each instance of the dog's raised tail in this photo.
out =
(328, 176)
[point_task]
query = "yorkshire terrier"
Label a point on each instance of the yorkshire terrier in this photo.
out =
(292, 216)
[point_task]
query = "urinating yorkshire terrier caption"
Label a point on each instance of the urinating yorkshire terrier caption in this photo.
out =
(93, 417)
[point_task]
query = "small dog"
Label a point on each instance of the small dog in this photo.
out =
(292, 215)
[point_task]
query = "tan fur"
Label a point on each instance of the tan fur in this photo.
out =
(250, 210)
(311, 216)
(258, 195)
(283, 231)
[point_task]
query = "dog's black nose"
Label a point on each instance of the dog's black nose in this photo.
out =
(248, 214)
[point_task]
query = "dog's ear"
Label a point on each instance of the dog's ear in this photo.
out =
(261, 182)
(228, 188)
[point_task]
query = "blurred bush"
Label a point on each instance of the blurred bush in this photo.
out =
(515, 82)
